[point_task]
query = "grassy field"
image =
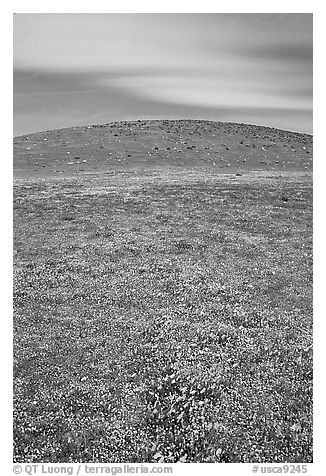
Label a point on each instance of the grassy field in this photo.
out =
(163, 315)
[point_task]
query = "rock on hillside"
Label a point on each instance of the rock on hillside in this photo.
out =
(223, 146)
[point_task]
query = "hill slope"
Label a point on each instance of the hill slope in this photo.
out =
(181, 143)
(163, 294)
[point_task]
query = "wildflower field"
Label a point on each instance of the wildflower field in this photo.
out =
(162, 313)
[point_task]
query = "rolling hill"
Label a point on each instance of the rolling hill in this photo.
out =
(163, 294)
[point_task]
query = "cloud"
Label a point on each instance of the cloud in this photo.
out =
(300, 54)
(76, 99)
(231, 67)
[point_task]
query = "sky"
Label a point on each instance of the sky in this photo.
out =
(80, 69)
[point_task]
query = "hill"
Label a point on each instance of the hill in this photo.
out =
(182, 143)
(163, 294)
